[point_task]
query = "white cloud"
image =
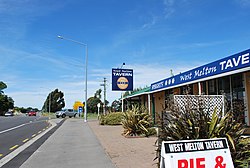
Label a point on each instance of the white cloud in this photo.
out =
(150, 23)
(244, 3)
(17, 15)
(34, 92)
(169, 8)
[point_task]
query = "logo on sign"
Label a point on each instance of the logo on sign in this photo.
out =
(122, 83)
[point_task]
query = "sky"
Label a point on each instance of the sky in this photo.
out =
(152, 37)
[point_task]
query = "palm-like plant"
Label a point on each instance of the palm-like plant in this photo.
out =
(136, 121)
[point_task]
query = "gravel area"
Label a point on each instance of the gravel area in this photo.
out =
(125, 152)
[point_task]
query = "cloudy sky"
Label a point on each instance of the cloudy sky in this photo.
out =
(150, 36)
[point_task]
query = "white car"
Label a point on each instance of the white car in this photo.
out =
(66, 112)
(8, 114)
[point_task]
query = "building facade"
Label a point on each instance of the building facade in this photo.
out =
(229, 76)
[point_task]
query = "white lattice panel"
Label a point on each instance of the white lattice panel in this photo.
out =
(206, 102)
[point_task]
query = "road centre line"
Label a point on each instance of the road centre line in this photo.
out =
(12, 128)
(13, 147)
(1, 155)
(20, 149)
(33, 135)
(39, 132)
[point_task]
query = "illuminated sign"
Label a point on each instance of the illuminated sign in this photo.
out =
(231, 63)
(122, 79)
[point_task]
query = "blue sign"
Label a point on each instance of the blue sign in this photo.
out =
(80, 109)
(122, 79)
(231, 63)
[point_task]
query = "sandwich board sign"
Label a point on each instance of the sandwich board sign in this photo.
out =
(199, 153)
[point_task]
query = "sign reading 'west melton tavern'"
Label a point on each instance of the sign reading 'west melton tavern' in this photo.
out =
(231, 63)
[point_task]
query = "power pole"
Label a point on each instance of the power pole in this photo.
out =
(104, 97)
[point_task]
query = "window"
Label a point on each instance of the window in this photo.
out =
(188, 89)
(224, 85)
(237, 87)
(203, 88)
(212, 87)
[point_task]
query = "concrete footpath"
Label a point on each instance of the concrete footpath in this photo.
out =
(72, 145)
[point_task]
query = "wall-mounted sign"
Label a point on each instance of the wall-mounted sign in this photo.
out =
(200, 153)
(231, 63)
(122, 79)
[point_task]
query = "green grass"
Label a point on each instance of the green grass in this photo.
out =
(47, 114)
(91, 116)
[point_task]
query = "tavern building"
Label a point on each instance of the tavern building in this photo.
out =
(229, 76)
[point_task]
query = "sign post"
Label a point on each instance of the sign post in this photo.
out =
(79, 110)
(98, 109)
(200, 153)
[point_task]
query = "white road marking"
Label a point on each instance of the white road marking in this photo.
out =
(12, 128)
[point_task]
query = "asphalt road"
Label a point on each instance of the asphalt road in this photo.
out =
(17, 130)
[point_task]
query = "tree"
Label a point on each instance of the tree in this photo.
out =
(92, 104)
(98, 94)
(5, 101)
(93, 101)
(54, 102)
(2, 86)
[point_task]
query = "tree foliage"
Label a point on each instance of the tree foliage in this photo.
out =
(92, 104)
(98, 94)
(5, 101)
(93, 101)
(54, 102)
(2, 86)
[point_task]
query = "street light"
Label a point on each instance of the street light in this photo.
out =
(86, 68)
(122, 92)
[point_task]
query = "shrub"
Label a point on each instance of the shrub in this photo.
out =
(137, 122)
(114, 118)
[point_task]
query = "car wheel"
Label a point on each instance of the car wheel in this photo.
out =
(63, 116)
(75, 115)
(70, 116)
(57, 116)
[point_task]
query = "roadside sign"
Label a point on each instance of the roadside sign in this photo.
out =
(200, 153)
(80, 109)
(99, 105)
